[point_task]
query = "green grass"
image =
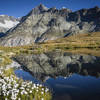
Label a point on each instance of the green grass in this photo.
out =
(4, 59)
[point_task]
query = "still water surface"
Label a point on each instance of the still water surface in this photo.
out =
(69, 76)
(75, 87)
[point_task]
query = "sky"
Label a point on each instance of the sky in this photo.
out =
(19, 8)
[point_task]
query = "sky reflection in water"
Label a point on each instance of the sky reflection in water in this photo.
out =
(75, 87)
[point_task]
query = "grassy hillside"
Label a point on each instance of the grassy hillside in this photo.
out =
(78, 41)
(82, 43)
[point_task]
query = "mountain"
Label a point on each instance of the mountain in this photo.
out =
(7, 22)
(42, 24)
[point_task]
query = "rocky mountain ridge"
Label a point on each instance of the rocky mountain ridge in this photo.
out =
(42, 24)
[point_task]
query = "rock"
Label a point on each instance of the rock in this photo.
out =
(42, 24)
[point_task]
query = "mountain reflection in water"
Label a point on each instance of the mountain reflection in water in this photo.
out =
(70, 76)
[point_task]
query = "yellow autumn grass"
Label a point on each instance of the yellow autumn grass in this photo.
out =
(88, 43)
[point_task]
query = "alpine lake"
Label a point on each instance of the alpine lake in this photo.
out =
(68, 76)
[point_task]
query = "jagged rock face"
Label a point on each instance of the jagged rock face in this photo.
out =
(7, 22)
(43, 24)
(54, 63)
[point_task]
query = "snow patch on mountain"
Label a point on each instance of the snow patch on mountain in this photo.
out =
(2, 15)
(8, 24)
